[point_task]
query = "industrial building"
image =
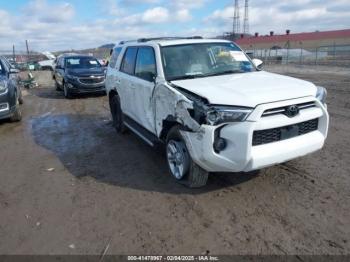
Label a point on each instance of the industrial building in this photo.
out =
(308, 41)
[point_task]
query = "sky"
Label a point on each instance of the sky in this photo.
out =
(54, 25)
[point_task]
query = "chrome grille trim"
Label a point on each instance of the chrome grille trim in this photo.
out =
(91, 80)
(282, 110)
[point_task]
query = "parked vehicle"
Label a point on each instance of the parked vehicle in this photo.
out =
(10, 92)
(48, 64)
(77, 74)
(212, 106)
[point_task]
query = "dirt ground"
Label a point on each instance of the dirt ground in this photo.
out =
(70, 185)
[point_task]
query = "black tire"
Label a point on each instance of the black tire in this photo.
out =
(17, 114)
(66, 91)
(20, 98)
(117, 114)
(57, 86)
(194, 176)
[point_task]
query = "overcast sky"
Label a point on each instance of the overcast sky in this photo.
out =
(76, 24)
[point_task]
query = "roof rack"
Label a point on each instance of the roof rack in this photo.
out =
(143, 40)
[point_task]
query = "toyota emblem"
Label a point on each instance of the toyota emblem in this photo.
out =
(292, 111)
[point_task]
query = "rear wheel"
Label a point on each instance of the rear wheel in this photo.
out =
(180, 163)
(117, 114)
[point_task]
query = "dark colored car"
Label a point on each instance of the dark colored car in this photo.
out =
(10, 92)
(79, 74)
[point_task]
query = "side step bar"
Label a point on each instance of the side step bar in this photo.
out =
(140, 131)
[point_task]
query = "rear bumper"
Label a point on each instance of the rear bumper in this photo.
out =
(241, 156)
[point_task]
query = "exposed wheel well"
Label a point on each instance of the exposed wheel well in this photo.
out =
(112, 93)
(168, 124)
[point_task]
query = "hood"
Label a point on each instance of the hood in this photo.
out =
(248, 89)
(86, 72)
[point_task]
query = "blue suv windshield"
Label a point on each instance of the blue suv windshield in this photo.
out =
(204, 59)
(82, 63)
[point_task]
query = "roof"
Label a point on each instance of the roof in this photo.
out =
(70, 55)
(174, 41)
(295, 37)
(190, 41)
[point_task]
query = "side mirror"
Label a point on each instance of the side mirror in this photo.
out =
(258, 63)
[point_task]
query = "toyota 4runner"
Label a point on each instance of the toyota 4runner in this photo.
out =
(212, 106)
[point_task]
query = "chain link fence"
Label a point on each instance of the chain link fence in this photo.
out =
(335, 55)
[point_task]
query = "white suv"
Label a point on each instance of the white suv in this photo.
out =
(212, 106)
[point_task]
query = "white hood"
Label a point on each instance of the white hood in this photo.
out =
(248, 89)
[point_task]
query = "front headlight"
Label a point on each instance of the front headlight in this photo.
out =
(321, 94)
(223, 114)
(3, 86)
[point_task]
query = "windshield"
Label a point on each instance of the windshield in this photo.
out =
(82, 63)
(201, 60)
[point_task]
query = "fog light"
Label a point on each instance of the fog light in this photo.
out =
(4, 106)
(70, 86)
(219, 144)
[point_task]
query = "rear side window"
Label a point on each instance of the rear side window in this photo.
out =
(114, 58)
(146, 64)
(128, 64)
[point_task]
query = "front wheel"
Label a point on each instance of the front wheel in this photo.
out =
(58, 88)
(180, 163)
(17, 114)
(66, 91)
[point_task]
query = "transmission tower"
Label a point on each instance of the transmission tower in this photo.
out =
(246, 18)
(236, 19)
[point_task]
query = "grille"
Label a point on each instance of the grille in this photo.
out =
(92, 80)
(262, 137)
(282, 110)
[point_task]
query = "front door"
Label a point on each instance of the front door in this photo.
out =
(142, 86)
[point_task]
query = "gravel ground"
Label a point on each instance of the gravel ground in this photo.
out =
(70, 185)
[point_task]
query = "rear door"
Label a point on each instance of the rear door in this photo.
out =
(125, 80)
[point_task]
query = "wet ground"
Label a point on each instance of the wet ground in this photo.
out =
(70, 185)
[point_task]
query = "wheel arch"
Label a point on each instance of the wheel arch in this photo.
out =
(168, 124)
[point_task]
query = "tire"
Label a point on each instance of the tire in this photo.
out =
(117, 114)
(180, 163)
(20, 98)
(66, 91)
(58, 88)
(17, 115)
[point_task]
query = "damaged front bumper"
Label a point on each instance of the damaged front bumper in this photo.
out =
(240, 153)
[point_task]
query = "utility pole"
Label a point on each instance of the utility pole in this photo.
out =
(27, 50)
(236, 19)
(13, 54)
(246, 18)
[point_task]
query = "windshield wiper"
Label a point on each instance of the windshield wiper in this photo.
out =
(186, 77)
(227, 72)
